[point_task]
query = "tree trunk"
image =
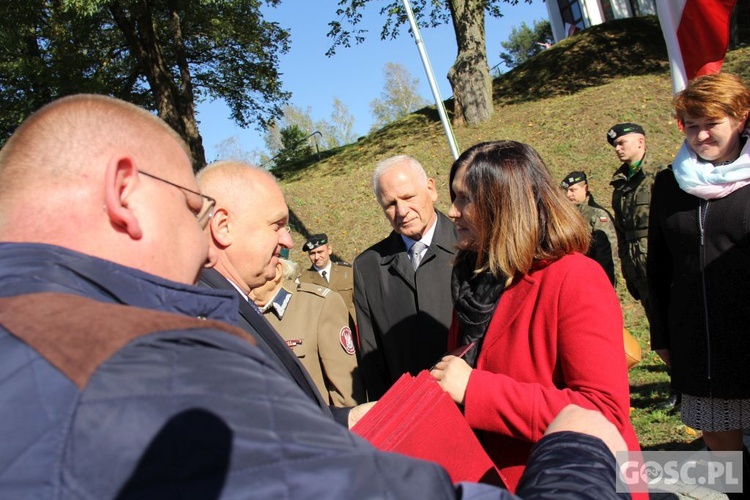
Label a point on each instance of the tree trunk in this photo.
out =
(174, 105)
(185, 100)
(470, 74)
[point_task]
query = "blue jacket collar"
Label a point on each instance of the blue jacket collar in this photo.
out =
(33, 267)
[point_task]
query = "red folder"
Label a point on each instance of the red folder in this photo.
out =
(417, 418)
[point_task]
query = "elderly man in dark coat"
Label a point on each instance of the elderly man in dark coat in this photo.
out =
(402, 283)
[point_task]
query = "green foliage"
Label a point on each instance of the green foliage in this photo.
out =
(291, 117)
(337, 131)
(294, 146)
(398, 98)
(160, 54)
(469, 75)
(340, 130)
(232, 148)
(598, 55)
(524, 43)
(234, 53)
(49, 51)
(345, 29)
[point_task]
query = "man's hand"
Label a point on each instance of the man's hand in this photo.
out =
(591, 422)
(359, 411)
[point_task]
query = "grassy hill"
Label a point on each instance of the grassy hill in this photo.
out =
(561, 102)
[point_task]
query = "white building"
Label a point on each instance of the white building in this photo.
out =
(568, 16)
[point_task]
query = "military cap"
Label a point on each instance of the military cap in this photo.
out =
(314, 242)
(573, 178)
(623, 129)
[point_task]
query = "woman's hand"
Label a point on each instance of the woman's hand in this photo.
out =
(452, 374)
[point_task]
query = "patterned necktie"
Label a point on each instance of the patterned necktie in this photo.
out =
(325, 275)
(415, 254)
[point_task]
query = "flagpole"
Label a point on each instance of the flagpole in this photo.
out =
(431, 79)
(669, 14)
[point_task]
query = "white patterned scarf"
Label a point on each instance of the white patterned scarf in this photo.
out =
(706, 181)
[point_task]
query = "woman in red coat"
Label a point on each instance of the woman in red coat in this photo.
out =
(544, 319)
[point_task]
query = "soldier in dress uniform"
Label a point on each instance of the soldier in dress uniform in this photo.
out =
(337, 276)
(603, 247)
(314, 322)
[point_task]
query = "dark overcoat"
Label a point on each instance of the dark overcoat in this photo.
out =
(403, 316)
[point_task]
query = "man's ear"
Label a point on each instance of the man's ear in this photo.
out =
(221, 228)
(433, 190)
(120, 181)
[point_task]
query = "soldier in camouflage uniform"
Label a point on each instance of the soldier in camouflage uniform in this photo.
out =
(314, 322)
(631, 197)
(603, 247)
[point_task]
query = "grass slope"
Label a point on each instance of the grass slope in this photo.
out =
(561, 102)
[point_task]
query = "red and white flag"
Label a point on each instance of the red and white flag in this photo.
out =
(697, 36)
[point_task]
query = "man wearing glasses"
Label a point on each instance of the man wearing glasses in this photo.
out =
(118, 376)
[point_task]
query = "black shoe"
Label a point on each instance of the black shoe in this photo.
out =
(671, 404)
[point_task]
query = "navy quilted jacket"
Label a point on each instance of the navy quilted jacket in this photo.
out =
(178, 412)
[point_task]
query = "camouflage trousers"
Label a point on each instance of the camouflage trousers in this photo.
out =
(633, 262)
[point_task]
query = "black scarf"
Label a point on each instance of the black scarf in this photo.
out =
(475, 298)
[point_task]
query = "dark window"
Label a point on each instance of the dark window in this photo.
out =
(570, 11)
(635, 8)
(643, 8)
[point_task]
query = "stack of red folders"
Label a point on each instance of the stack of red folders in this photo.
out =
(417, 418)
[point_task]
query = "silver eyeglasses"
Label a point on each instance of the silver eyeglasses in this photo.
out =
(207, 203)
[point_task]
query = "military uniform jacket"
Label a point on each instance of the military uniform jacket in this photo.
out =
(630, 203)
(314, 322)
(603, 247)
(253, 322)
(341, 281)
(402, 316)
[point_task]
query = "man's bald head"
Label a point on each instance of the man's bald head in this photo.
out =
(233, 183)
(74, 165)
(249, 226)
(65, 141)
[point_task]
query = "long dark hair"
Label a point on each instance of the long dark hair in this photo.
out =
(522, 216)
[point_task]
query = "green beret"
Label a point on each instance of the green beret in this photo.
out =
(623, 129)
(573, 178)
(314, 242)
